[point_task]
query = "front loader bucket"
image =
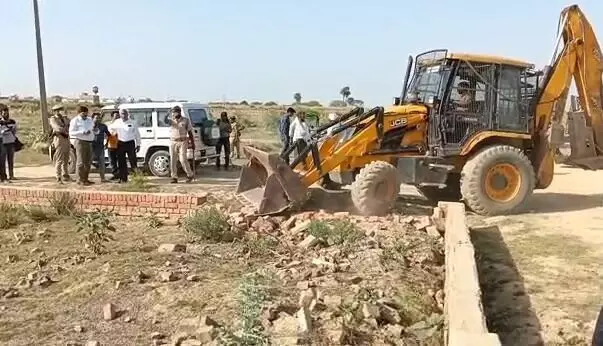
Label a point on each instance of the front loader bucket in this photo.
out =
(268, 182)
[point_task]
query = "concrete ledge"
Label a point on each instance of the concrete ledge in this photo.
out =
(463, 312)
(166, 205)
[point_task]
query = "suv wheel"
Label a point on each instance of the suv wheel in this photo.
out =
(159, 163)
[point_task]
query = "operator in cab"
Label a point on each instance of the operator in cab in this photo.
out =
(466, 99)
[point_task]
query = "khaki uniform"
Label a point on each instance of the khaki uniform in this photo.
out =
(61, 145)
(179, 130)
(235, 139)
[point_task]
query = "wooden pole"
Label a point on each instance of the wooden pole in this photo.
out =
(41, 79)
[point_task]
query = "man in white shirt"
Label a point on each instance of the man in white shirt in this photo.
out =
(80, 130)
(299, 132)
(128, 143)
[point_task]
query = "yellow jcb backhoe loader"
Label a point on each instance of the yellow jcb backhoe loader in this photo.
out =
(476, 128)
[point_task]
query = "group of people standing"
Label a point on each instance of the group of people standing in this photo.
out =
(230, 139)
(90, 138)
(293, 132)
(121, 138)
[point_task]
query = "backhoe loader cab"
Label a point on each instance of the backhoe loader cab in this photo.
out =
(468, 94)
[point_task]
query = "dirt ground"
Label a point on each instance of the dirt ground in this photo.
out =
(330, 276)
(208, 180)
(541, 269)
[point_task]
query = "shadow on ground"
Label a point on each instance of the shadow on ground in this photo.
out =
(553, 202)
(43, 176)
(341, 201)
(507, 306)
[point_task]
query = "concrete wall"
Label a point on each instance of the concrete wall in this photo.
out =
(463, 311)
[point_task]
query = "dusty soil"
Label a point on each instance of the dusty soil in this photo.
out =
(541, 269)
(357, 280)
(208, 180)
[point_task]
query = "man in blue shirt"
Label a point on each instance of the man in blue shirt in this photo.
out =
(101, 133)
(283, 130)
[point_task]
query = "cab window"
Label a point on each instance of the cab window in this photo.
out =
(508, 114)
(198, 116)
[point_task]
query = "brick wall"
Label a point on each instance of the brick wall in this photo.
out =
(166, 205)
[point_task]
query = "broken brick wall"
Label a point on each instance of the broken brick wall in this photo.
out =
(166, 205)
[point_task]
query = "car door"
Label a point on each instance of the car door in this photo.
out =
(144, 119)
(162, 130)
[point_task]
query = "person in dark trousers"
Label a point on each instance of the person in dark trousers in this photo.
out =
(112, 148)
(128, 143)
(3, 178)
(8, 128)
(283, 130)
(598, 335)
(101, 133)
(224, 141)
(80, 129)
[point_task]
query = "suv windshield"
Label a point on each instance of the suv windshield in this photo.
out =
(198, 116)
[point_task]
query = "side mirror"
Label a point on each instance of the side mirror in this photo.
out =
(397, 101)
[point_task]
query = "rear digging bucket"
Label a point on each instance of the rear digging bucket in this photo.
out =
(268, 182)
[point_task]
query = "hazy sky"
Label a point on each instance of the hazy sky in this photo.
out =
(260, 50)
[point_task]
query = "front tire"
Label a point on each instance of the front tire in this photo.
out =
(159, 163)
(375, 188)
(497, 180)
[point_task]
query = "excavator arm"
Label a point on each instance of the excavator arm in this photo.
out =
(579, 60)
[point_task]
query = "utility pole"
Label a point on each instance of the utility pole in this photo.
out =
(41, 79)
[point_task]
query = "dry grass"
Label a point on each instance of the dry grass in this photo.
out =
(236, 280)
(85, 281)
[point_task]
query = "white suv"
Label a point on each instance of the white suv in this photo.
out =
(154, 130)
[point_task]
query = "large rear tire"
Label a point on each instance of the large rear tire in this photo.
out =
(375, 188)
(497, 180)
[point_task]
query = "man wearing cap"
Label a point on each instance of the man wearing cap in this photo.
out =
(81, 130)
(284, 126)
(235, 137)
(181, 134)
(60, 143)
(128, 143)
